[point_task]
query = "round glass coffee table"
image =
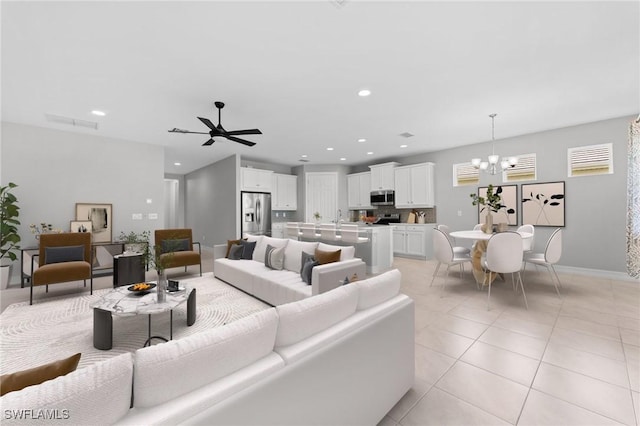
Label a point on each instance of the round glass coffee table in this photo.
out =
(122, 302)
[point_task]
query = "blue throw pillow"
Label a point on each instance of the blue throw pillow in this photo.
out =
(63, 254)
(247, 249)
(169, 246)
(235, 252)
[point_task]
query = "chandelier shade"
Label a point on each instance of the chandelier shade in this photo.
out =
(491, 165)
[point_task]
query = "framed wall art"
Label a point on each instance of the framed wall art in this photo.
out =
(509, 213)
(80, 226)
(100, 216)
(543, 204)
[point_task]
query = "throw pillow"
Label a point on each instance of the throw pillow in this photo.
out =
(327, 256)
(63, 254)
(235, 252)
(274, 257)
(169, 246)
(35, 376)
(247, 249)
(229, 244)
(307, 269)
(304, 258)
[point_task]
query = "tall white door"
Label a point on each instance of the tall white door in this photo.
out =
(321, 195)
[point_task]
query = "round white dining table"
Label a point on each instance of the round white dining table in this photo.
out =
(479, 235)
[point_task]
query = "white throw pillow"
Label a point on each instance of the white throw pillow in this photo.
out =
(376, 290)
(97, 394)
(175, 368)
(293, 254)
(346, 253)
(304, 318)
(261, 246)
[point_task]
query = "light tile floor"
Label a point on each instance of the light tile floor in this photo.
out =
(569, 360)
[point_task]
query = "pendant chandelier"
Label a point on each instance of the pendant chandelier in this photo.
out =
(491, 166)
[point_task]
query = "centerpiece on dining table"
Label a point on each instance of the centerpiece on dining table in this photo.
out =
(493, 204)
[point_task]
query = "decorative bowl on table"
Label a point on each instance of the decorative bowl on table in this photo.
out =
(141, 288)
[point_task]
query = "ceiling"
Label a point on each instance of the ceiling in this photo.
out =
(293, 70)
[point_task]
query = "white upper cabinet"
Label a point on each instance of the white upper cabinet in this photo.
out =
(414, 186)
(255, 179)
(284, 192)
(382, 176)
(359, 191)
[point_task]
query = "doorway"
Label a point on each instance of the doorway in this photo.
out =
(171, 203)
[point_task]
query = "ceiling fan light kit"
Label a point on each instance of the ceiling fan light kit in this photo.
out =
(219, 131)
(491, 166)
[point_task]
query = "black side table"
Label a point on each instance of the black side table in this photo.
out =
(128, 269)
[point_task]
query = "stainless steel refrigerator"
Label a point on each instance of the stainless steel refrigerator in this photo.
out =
(256, 213)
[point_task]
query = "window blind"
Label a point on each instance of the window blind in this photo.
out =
(590, 160)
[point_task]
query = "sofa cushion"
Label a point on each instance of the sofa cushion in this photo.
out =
(299, 320)
(378, 289)
(324, 257)
(34, 376)
(169, 246)
(293, 251)
(166, 371)
(63, 254)
(274, 257)
(253, 238)
(261, 246)
(97, 394)
(348, 252)
(248, 247)
(229, 244)
(279, 287)
(235, 252)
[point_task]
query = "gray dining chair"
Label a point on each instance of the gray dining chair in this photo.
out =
(503, 256)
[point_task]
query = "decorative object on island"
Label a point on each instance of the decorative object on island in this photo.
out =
(9, 237)
(80, 226)
(100, 216)
(317, 216)
(135, 242)
(491, 166)
(543, 204)
(492, 203)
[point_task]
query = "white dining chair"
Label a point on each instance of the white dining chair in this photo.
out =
(328, 232)
(456, 249)
(293, 230)
(551, 256)
(503, 256)
(308, 231)
(350, 233)
(527, 243)
(444, 254)
(477, 227)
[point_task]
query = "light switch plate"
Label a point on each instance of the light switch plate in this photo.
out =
(153, 215)
(136, 216)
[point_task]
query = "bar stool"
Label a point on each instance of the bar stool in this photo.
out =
(351, 234)
(328, 232)
(308, 231)
(293, 230)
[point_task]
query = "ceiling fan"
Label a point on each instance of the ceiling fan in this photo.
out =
(220, 131)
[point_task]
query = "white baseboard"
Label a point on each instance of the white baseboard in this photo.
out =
(613, 275)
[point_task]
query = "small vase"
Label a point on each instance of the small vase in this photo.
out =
(488, 224)
(162, 287)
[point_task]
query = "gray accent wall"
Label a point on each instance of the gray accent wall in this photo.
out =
(213, 202)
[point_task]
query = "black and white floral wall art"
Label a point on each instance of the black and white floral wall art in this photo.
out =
(543, 204)
(507, 214)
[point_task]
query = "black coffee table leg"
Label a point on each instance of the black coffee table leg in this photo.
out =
(148, 342)
(102, 329)
(191, 308)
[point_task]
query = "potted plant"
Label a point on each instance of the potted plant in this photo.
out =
(9, 238)
(156, 260)
(136, 242)
(492, 202)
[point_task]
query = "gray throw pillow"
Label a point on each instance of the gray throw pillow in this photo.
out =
(63, 254)
(169, 246)
(307, 269)
(274, 257)
(247, 249)
(305, 256)
(235, 252)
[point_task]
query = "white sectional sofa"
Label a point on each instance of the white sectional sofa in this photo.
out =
(344, 357)
(277, 287)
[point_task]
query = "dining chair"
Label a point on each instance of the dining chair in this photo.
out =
(551, 256)
(444, 253)
(308, 231)
(293, 230)
(477, 227)
(328, 232)
(527, 243)
(504, 255)
(456, 249)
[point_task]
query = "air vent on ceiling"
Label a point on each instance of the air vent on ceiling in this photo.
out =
(71, 121)
(406, 135)
(302, 160)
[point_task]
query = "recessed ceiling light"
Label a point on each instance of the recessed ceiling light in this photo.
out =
(304, 156)
(177, 164)
(369, 153)
(343, 159)
(362, 140)
(403, 146)
(98, 113)
(329, 149)
(364, 92)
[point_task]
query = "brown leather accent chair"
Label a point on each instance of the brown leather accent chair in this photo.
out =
(177, 246)
(62, 258)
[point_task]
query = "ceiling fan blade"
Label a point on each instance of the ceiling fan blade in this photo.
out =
(209, 142)
(242, 141)
(176, 130)
(207, 123)
(245, 132)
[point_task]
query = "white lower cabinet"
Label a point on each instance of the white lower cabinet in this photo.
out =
(413, 240)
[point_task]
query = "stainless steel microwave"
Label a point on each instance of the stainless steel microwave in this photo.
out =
(382, 198)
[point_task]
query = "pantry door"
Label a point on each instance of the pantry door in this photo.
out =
(321, 194)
